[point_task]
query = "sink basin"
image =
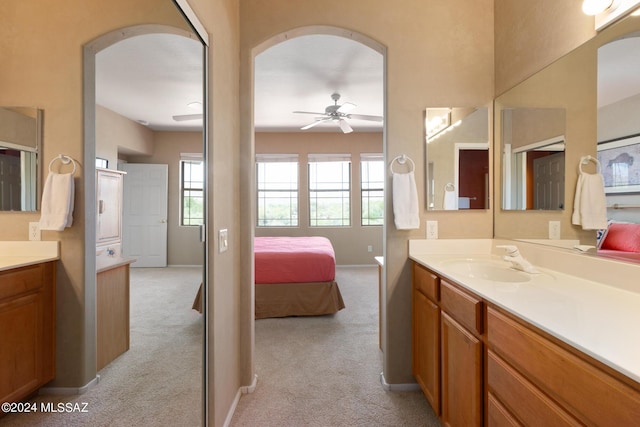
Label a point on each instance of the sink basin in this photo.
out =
(494, 271)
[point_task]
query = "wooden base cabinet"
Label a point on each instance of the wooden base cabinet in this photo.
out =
(27, 330)
(496, 369)
(112, 314)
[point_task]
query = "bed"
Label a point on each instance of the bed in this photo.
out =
(295, 276)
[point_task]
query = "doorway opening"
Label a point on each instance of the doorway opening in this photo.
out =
(303, 135)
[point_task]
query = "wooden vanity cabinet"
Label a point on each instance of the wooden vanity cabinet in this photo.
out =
(27, 330)
(426, 334)
(496, 369)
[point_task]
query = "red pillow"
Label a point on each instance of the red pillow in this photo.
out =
(622, 237)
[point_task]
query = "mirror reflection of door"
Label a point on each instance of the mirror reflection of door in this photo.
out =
(473, 179)
(457, 158)
(546, 188)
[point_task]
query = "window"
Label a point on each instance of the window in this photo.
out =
(329, 190)
(372, 189)
(277, 185)
(192, 192)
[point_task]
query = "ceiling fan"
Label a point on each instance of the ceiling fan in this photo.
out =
(338, 113)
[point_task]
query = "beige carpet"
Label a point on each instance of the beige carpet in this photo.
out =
(324, 371)
(158, 382)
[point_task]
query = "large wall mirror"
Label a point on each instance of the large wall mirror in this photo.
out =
(533, 158)
(457, 158)
(581, 105)
(19, 163)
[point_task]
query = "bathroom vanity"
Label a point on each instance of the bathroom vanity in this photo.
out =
(27, 317)
(496, 346)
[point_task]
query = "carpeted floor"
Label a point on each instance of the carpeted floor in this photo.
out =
(312, 371)
(324, 371)
(158, 382)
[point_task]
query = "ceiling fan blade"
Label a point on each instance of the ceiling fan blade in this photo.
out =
(316, 123)
(345, 126)
(346, 107)
(185, 117)
(366, 117)
(309, 112)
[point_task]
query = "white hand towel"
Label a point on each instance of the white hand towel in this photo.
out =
(405, 201)
(590, 205)
(449, 200)
(57, 202)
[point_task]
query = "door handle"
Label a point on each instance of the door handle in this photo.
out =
(163, 221)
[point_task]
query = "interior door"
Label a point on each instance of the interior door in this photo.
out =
(144, 220)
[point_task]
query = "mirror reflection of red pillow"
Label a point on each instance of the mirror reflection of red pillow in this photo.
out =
(622, 237)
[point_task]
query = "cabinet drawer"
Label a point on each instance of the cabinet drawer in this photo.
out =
(21, 280)
(522, 398)
(498, 415)
(462, 306)
(587, 392)
(426, 282)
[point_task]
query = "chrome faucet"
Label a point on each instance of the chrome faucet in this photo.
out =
(516, 260)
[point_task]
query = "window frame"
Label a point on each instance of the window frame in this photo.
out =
(314, 159)
(294, 214)
(184, 190)
(364, 158)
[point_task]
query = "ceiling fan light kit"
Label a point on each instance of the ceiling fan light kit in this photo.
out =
(338, 113)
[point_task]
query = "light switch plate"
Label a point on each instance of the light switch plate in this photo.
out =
(223, 240)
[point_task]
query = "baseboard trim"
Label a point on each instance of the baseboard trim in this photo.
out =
(251, 387)
(355, 265)
(397, 387)
(70, 390)
(242, 390)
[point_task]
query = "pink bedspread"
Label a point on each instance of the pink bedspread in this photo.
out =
(294, 259)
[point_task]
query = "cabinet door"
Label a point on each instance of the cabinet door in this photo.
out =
(21, 347)
(426, 348)
(109, 206)
(461, 375)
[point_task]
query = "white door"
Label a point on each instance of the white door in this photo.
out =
(144, 220)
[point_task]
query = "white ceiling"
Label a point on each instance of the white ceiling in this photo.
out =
(153, 77)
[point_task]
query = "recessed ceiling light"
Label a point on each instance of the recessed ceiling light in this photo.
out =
(197, 106)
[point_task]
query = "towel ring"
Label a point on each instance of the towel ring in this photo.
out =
(585, 160)
(65, 161)
(402, 159)
(449, 187)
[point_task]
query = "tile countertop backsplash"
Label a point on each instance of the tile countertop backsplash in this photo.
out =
(14, 254)
(590, 303)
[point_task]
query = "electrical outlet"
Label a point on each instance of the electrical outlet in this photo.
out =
(370, 248)
(432, 229)
(223, 240)
(34, 231)
(554, 230)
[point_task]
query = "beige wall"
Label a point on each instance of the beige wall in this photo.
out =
(350, 243)
(530, 35)
(438, 54)
(183, 243)
(116, 135)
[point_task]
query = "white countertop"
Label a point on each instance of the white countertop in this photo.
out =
(15, 254)
(596, 318)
